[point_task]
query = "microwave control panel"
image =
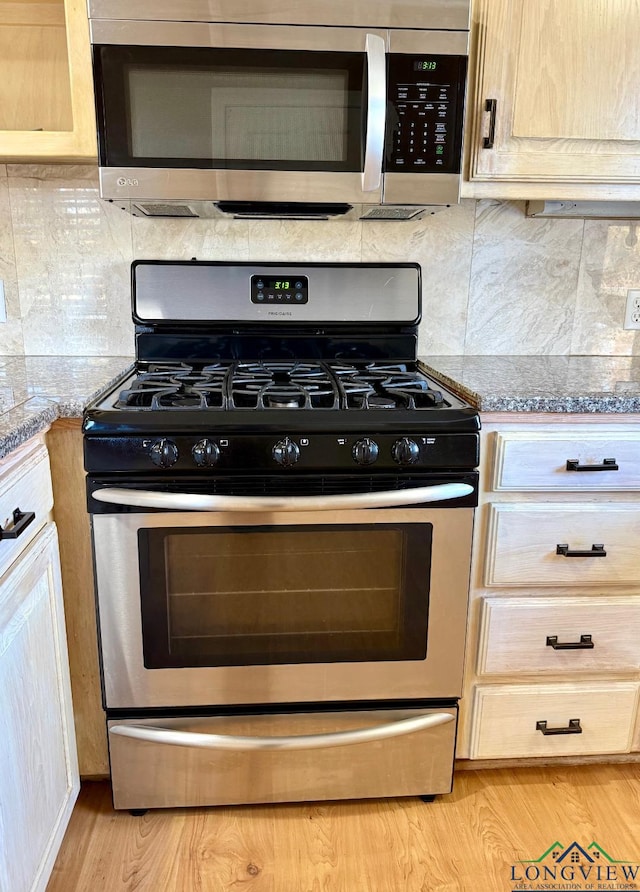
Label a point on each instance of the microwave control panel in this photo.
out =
(424, 113)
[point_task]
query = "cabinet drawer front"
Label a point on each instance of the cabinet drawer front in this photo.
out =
(24, 485)
(505, 718)
(526, 462)
(515, 632)
(523, 540)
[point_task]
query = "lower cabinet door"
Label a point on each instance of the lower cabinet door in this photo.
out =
(516, 721)
(38, 767)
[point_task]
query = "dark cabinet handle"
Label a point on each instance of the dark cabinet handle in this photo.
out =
(585, 643)
(594, 551)
(491, 106)
(608, 464)
(21, 521)
(572, 728)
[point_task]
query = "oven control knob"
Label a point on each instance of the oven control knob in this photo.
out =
(405, 451)
(286, 452)
(205, 454)
(365, 451)
(164, 453)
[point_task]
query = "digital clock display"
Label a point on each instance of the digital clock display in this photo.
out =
(425, 65)
(293, 290)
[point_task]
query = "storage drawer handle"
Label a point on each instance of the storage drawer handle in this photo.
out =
(594, 551)
(572, 728)
(491, 106)
(173, 737)
(585, 643)
(21, 520)
(608, 464)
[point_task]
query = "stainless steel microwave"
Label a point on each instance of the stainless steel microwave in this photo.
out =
(268, 108)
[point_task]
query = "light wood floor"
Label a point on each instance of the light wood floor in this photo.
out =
(465, 842)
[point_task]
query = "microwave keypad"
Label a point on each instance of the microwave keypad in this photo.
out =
(424, 117)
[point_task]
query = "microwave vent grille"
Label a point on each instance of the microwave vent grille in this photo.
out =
(166, 210)
(395, 212)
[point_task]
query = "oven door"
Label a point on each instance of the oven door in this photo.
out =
(239, 113)
(200, 608)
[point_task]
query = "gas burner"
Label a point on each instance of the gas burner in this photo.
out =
(282, 385)
(178, 386)
(284, 399)
(271, 395)
(380, 402)
(386, 386)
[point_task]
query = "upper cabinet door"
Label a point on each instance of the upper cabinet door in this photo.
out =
(563, 76)
(46, 90)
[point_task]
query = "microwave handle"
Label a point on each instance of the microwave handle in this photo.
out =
(175, 737)
(376, 112)
(175, 501)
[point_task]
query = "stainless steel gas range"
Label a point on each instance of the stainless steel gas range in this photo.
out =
(282, 505)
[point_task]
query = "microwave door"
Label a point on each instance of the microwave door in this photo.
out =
(192, 111)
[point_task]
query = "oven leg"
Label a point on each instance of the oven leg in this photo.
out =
(427, 798)
(138, 812)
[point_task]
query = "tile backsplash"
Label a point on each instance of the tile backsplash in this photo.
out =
(494, 281)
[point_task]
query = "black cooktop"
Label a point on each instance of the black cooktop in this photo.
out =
(280, 396)
(279, 385)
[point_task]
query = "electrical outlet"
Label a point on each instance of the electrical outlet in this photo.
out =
(632, 312)
(3, 305)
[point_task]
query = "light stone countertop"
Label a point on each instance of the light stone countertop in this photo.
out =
(567, 384)
(36, 390)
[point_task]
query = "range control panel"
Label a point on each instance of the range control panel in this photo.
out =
(425, 113)
(157, 454)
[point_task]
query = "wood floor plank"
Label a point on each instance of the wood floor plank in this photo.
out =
(465, 842)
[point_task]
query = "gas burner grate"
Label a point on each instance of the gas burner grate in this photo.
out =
(387, 386)
(282, 385)
(279, 385)
(179, 386)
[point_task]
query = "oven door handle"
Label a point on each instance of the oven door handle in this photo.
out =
(187, 501)
(173, 737)
(376, 112)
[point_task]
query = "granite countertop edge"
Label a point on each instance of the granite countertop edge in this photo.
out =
(40, 390)
(585, 385)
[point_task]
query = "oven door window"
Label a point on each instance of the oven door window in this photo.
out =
(246, 596)
(230, 108)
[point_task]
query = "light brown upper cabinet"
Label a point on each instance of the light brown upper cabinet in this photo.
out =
(46, 90)
(554, 104)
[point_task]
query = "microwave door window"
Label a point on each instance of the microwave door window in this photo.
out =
(287, 115)
(301, 116)
(247, 596)
(266, 115)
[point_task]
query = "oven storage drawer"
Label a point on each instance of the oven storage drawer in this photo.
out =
(580, 461)
(559, 635)
(563, 544)
(583, 718)
(148, 774)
